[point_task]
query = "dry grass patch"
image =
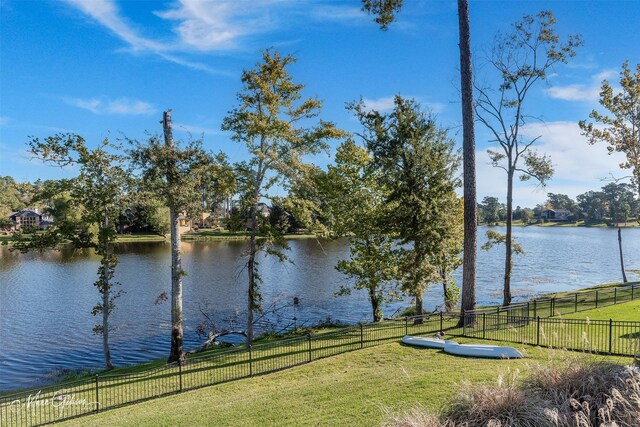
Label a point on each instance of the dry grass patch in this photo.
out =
(582, 391)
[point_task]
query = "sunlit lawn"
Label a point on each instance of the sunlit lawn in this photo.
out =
(349, 389)
(626, 311)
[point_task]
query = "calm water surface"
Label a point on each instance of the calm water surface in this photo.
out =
(46, 298)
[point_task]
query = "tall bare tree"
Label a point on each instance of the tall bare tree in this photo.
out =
(385, 11)
(520, 59)
(174, 174)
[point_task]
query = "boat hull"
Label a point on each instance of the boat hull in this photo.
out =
(467, 350)
(482, 350)
(423, 342)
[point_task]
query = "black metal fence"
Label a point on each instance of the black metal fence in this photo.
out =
(108, 391)
(596, 336)
(572, 303)
(103, 392)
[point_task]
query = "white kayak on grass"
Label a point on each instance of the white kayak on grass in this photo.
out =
(424, 342)
(482, 350)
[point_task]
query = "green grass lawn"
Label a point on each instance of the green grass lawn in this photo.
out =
(349, 389)
(141, 237)
(626, 311)
(206, 234)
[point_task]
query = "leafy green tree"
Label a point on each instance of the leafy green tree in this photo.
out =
(490, 210)
(269, 121)
(174, 175)
(526, 216)
(619, 201)
(385, 11)
(593, 204)
(621, 129)
(520, 59)
(356, 201)
(9, 198)
(448, 259)
(96, 196)
(5, 223)
(418, 165)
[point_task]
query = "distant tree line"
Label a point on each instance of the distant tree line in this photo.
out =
(614, 204)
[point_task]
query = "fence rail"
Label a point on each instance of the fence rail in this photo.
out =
(572, 303)
(612, 337)
(102, 392)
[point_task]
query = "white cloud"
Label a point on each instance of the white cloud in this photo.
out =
(381, 105)
(579, 167)
(209, 26)
(214, 26)
(195, 129)
(106, 13)
(581, 92)
(120, 106)
(386, 104)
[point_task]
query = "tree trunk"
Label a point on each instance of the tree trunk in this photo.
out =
(624, 275)
(419, 308)
(469, 164)
(177, 352)
(251, 265)
(506, 300)
(253, 249)
(448, 304)
(375, 305)
(105, 300)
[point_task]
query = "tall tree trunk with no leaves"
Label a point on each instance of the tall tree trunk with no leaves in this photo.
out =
(469, 162)
(177, 353)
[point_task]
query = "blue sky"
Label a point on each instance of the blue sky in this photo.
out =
(107, 68)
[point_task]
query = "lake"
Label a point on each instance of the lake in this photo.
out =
(46, 298)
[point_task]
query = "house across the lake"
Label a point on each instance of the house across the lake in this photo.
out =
(30, 218)
(557, 215)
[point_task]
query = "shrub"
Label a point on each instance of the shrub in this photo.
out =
(581, 391)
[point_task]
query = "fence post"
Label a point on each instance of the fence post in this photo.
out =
(97, 396)
(180, 372)
(596, 299)
(575, 310)
(535, 308)
(484, 323)
(551, 306)
(250, 361)
(406, 325)
(615, 295)
(538, 327)
(610, 334)
(309, 346)
(464, 324)
(528, 309)
(361, 336)
(632, 288)
(441, 324)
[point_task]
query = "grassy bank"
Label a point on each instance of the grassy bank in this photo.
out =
(204, 235)
(233, 235)
(350, 389)
(629, 311)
